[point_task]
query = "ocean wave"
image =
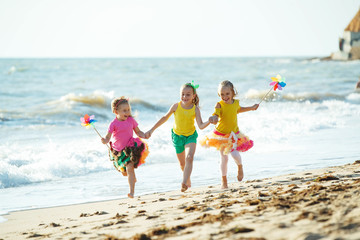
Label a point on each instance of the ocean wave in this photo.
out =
(97, 98)
(101, 99)
(48, 162)
(283, 60)
(68, 109)
(354, 97)
(293, 97)
(136, 103)
(14, 69)
(34, 118)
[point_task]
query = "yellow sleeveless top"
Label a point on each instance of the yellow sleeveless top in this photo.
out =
(184, 121)
(227, 117)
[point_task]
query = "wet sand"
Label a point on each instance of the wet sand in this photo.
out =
(315, 204)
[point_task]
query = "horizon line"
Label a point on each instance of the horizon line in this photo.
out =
(154, 57)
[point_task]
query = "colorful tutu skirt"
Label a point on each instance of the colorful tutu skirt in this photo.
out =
(136, 151)
(227, 142)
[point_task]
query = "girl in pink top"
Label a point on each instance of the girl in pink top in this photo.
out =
(126, 151)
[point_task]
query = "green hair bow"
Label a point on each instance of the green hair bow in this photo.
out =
(193, 85)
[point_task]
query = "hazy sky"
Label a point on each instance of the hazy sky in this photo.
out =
(167, 28)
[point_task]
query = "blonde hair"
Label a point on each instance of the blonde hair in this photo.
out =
(227, 83)
(118, 102)
(196, 99)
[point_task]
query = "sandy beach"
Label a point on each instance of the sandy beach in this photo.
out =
(315, 204)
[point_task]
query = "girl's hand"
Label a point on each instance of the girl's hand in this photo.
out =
(147, 134)
(255, 107)
(106, 139)
(213, 119)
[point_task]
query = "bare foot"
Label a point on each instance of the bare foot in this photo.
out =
(130, 195)
(224, 186)
(240, 173)
(188, 183)
(183, 187)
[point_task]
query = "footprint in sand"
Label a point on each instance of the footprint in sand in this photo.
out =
(95, 213)
(35, 235)
(54, 225)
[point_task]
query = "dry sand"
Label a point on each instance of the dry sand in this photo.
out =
(316, 204)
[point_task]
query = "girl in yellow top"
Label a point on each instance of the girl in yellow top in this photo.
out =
(226, 137)
(184, 134)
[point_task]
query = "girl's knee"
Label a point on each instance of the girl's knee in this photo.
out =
(237, 157)
(224, 160)
(182, 166)
(189, 158)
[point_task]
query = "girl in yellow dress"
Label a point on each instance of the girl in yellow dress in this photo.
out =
(183, 133)
(226, 137)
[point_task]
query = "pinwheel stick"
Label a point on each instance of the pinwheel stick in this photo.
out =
(87, 120)
(266, 95)
(99, 134)
(96, 131)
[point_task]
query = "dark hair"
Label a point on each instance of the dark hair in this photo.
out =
(227, 83)
(196, 99)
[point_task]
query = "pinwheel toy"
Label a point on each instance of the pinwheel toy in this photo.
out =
(278, 82)
(88, 121)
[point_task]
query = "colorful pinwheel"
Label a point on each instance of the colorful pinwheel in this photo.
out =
(88, 121)
(278, 82)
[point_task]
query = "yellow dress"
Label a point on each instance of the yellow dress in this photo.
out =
(226, 136)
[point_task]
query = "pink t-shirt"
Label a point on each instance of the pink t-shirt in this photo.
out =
(122, 132)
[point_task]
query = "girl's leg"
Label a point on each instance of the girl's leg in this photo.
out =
(189, 152)
(223, 168)
(236, 155)
(181, 158)
(131, 178)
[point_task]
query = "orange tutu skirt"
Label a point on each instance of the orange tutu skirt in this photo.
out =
(227, 142)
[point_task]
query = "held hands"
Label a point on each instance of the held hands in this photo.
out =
(213, 119)
(104, 141)
(148, 134)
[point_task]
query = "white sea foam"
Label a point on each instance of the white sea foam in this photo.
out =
(49, 161)
(354, 97)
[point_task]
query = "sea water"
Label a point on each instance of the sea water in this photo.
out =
(48, 159)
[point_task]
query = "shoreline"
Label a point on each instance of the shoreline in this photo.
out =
(313, 204)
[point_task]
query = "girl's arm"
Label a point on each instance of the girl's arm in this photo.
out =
(139, 133)
(106, 139)
(246, 109)
(199, 121)
(163, 119)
